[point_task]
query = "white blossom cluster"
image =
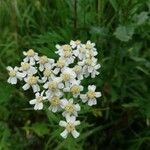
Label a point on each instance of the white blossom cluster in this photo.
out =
(59, 82)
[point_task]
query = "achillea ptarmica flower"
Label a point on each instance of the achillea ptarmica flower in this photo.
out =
(14, 74)
(31, 81)
(38, 101)
(58, 83)
(91, 95)
(70, 126)
(55, 103)
(31, 56)
(69, 107)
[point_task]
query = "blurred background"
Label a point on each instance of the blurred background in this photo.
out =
(121, 31)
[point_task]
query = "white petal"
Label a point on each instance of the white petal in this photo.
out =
(33, 101)
(56, 70)
(35, 88)
(76, 123)
(46, 85)
(21, 75)
(40, 106)
(90, 69)
(41, 67)
(32, 70)
(13, 80)
(64, 134)
(60, 85)
(92, 87)
(26, 86)
(75, 134)
(63, 123)
(9, 68)
(32, 62)
(83, 98)
(98, 94)
(72, 119)
(54, 109)
(26, 59)
(77, 106)
(9, 79)
(90, 102)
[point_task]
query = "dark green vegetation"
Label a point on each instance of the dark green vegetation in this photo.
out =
(121, 31)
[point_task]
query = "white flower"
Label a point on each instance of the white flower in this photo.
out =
(31, 56)
(31, 81)
(49, 74)
(14, 74)
(69, 126)
(90, 46)
(88, 65)
(60, 65)
(79, 72)
(75, 44)
(53, 87)
(95, 72)
(45, 62)
(65, 52)
(68, 76)
(80, 52)
(91, 95)
(55, 103)
(75, 88)
(38, 101)
(27, 69)
(69, 107)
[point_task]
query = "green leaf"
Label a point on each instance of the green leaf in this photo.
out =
(5, 92)
(40, 129)
(142, 17)
(124, 33)
(114, 4)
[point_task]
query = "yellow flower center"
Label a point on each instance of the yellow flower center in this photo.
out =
(82, 50)
(39, 98)
(91, 94)
(75, 89)
(32, 80)
(55, 100)
(25, 66)
(66, 77)
(52, 86)
(69, 108)
(77, 42)
(77, 69)
(60, 63)
(70, 127)
(47, 72)
(12, 73)
(88, 46)
(88, 61)
(30, 53)
(43, 60)
(67, 53)
(66, 47)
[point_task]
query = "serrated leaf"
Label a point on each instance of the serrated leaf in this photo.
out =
(124, 33)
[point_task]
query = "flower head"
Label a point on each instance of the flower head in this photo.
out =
(69, 107)
(14, 74)
(91, 95)
(38, 101)
(70, 126)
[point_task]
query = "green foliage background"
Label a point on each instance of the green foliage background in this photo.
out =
(121, 31)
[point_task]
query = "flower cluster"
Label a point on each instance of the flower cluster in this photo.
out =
(58, 83)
